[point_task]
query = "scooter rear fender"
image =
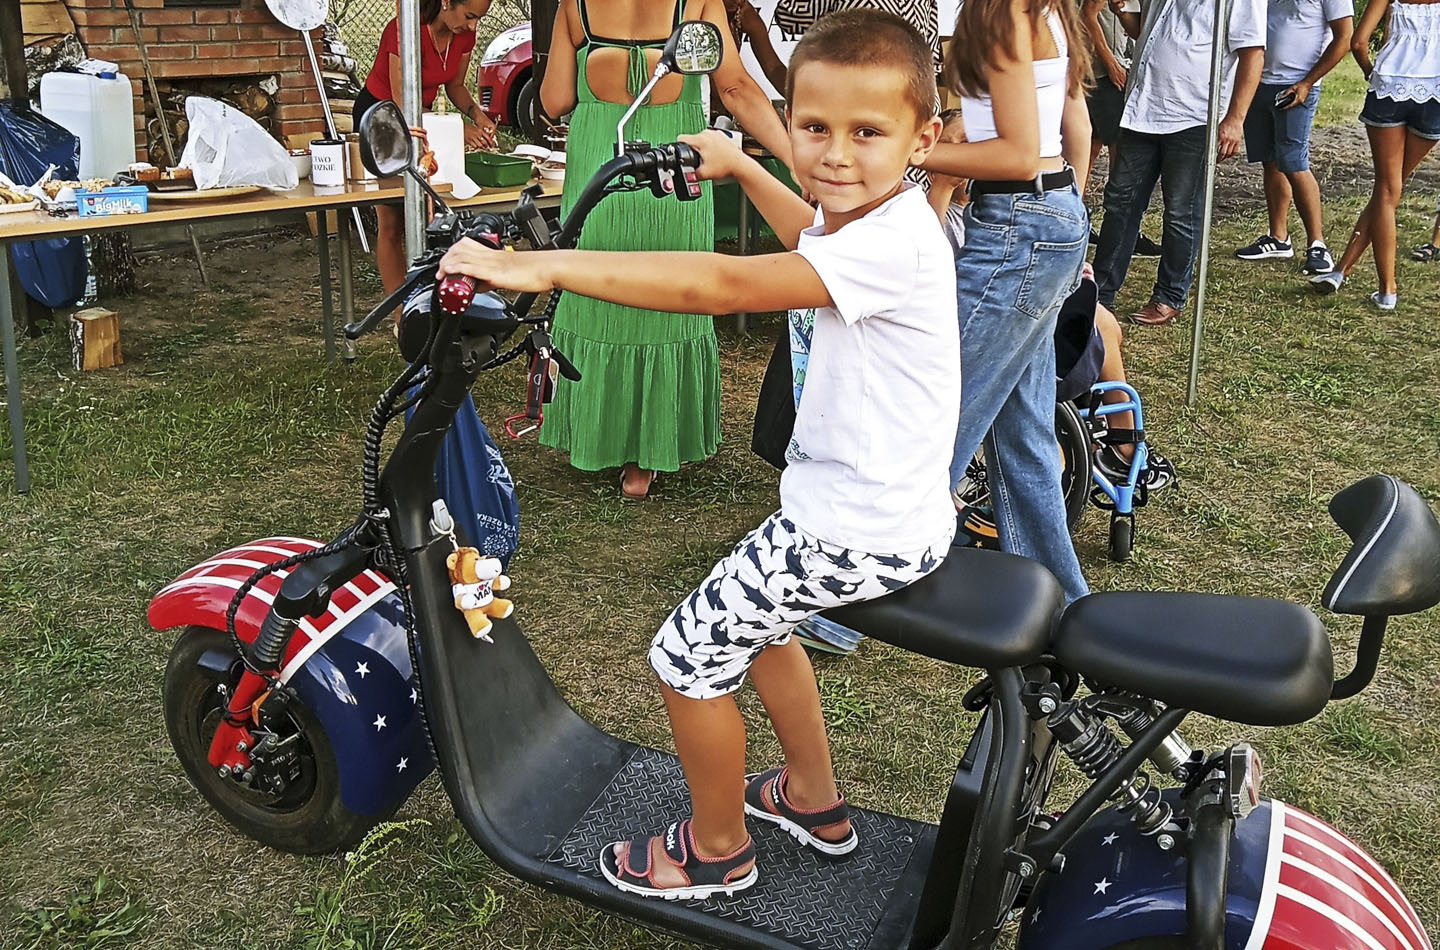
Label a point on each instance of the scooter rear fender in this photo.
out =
(351, 667)
(1295, 883)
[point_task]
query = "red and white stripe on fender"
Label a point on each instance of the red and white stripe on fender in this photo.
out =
(229, 570)
(1322, 891)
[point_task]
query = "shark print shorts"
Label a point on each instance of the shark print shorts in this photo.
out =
(774, 578)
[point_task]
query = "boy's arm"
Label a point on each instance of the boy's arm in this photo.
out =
(671, 281)
(1113, 69)
(785, 212)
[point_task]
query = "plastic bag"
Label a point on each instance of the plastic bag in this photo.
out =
(227, 148)
(52, 271)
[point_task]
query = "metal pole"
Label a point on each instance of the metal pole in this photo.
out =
(408, 23)
(327, 306)
(1212, 149)
(12, 373)
(330, 124)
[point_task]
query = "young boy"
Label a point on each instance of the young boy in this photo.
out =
(864, 502)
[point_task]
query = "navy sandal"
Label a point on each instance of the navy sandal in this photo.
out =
(705, 877)
(765, 799)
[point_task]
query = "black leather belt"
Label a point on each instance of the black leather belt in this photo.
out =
(1046, 181)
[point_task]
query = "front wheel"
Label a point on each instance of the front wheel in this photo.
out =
(306, 816)
(527, 108)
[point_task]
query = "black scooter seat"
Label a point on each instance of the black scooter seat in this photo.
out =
(1245, 659)
(978, 608)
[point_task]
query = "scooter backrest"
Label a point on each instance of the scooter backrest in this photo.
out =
(1393, 567)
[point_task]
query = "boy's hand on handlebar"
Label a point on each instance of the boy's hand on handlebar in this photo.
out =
(720, 157)
(495, 270)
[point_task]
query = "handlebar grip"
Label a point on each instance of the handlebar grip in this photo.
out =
(455, 293)
(687, 155)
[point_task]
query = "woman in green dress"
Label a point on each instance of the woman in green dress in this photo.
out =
(650, 397)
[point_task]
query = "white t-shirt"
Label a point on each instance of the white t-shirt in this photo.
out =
(877, 382)
(1297, 32)
(1169, 85)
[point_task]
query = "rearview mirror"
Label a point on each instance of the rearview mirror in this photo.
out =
(693, 49)
(386, 148)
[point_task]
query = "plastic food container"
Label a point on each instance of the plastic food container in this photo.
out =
(129, 199)
(492, 170)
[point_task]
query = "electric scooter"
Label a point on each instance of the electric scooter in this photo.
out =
(317, 684)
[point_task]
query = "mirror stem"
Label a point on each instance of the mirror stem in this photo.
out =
(440, 206)
(661, 71)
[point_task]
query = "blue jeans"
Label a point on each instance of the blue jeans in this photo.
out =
(1177, 161)
(1021, 259)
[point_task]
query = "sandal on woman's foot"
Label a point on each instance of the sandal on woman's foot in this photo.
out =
(1424, 253)
(765, 799)
(705, 877)
(626, 471)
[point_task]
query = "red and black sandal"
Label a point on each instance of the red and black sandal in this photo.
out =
(705, 877)
(765, 799)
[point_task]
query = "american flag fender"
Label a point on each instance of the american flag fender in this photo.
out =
(1295, 883)
(350, 665)
(201, 596)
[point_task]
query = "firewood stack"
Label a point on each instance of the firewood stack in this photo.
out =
(252, 95)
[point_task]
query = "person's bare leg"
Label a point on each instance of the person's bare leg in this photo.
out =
(1277, 201)
(1305, 191)
(1387, 147)
(1435, 234)
(635, 481)
(785, 681)
(1358, 243)
(1113, 370)
(390, 247)
(710, 741)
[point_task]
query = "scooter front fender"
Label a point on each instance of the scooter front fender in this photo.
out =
(1295, 883)
(351, 666)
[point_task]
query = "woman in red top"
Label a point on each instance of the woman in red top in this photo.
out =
(446, 42)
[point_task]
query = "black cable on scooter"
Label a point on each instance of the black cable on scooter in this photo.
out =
(264, 572)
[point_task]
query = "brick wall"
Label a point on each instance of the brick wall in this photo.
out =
(198, 42)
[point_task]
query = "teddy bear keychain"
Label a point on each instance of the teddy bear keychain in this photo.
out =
(474, 579)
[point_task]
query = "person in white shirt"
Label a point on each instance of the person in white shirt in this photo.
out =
(865, 499)
(1305, 39)
(1162, 138)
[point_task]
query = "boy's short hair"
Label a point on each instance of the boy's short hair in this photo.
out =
(870, 38)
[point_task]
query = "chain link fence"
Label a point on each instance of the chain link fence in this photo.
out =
(360, 22)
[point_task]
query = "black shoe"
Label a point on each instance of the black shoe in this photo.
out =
(1157, 474)
(1318, 260)
(1265, 247)
(1144, 247)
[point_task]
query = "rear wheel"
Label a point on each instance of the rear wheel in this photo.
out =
(306, 816)
(976, 515)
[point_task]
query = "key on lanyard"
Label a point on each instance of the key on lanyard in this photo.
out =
(539, 385)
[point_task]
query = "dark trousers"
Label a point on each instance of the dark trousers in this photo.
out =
(1138, 160)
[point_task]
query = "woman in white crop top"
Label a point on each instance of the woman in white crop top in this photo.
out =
(1402, 115)
(1020, 70)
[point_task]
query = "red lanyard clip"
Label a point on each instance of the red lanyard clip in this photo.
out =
(539, 389)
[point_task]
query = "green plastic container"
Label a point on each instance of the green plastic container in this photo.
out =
(491, 170)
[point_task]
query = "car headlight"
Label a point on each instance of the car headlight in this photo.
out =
(501, 45)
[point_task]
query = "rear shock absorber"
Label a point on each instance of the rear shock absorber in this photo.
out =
(1094, 748)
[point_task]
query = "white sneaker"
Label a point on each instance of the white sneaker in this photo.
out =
(1384, 301)
(1326, 284)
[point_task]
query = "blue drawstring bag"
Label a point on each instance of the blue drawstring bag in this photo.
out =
(476, 485)
(52, 271)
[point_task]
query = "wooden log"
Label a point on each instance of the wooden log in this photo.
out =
(95, 338)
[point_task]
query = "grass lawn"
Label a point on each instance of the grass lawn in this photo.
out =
(223, 425)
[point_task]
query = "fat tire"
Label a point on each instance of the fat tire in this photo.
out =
(526, 108)
(319, 823)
